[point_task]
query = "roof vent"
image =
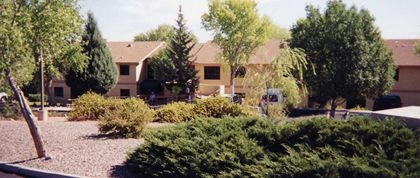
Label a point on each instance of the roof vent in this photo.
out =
(130, 45)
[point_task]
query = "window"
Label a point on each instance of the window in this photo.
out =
(124, 92)
(58, 92)
(124, 70)
(240, 72)
(212, 73)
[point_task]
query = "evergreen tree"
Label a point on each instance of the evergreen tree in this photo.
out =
(100, 73)
(176, 60)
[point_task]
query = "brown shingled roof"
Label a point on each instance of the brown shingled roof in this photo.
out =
(403, 52)
(134, 52)
(206, 53)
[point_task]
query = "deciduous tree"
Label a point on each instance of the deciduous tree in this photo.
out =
(34, 31)
(347, 51)
(237, 29)
(163, 32)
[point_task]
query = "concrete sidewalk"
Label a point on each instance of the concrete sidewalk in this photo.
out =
(31, 172)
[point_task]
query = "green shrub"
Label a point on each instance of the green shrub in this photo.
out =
(125, 118)
(321, 147)
(10, 110)
(89, 106)
(219, 107)
(276, 111)
(175, 112)
(36, 97)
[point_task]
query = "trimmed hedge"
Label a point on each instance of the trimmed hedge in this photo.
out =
(251, 147)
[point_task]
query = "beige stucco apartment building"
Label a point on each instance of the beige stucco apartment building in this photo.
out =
(215, 77)
(131, 59)
(407, 85)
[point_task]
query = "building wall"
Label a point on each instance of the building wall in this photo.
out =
(66, 91)
(132, 78)
(408, 85)
(127, 81)
(208, 87)
(115, 92)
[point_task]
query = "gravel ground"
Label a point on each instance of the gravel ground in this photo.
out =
(74, 147)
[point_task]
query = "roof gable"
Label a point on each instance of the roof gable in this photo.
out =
(206, 53)
(134, 52)
(403, 51)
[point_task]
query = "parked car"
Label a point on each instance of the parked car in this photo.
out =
(387, 102)
(234, 98)
(274, 96)
(3, 97)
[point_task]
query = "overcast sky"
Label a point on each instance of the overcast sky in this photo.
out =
(121, 20)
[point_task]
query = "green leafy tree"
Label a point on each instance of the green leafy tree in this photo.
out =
(280, 33)
(175, 64)
(163, 32)
(347, 51)
(100, 74)
(237, 29)
(284, 73)
(32, 32)
(417, 48)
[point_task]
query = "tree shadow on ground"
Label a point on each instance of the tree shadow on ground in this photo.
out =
(99, 137)
(22, 161)
(121, 171)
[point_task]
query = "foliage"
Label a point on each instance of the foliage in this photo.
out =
(100, 74)
(347, 51)
(10, 110)
(148, 85)
(280, 33)
(276, 111)
(219, 107)
(176, 64)
(15, 51)
(285, 73)
(237, 29)
(89, 106)
(417, 48)
(250, 147)
(125, 118)
(175, 112)
(163, 32)
(43, 31)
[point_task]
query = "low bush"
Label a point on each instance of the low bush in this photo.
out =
(219, 107)
(125, 118)
(175, 112)
(89, 106)
(358, 147)
(10, 110)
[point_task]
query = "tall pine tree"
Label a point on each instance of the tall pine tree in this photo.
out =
(100, 74)
(177, 59)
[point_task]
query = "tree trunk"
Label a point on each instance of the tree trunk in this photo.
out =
(51, 99)
(28, 115)
(333, 108)
(232, 82)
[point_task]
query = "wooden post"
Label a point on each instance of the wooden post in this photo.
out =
(28, 115)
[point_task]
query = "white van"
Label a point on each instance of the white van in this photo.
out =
(275, 96)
